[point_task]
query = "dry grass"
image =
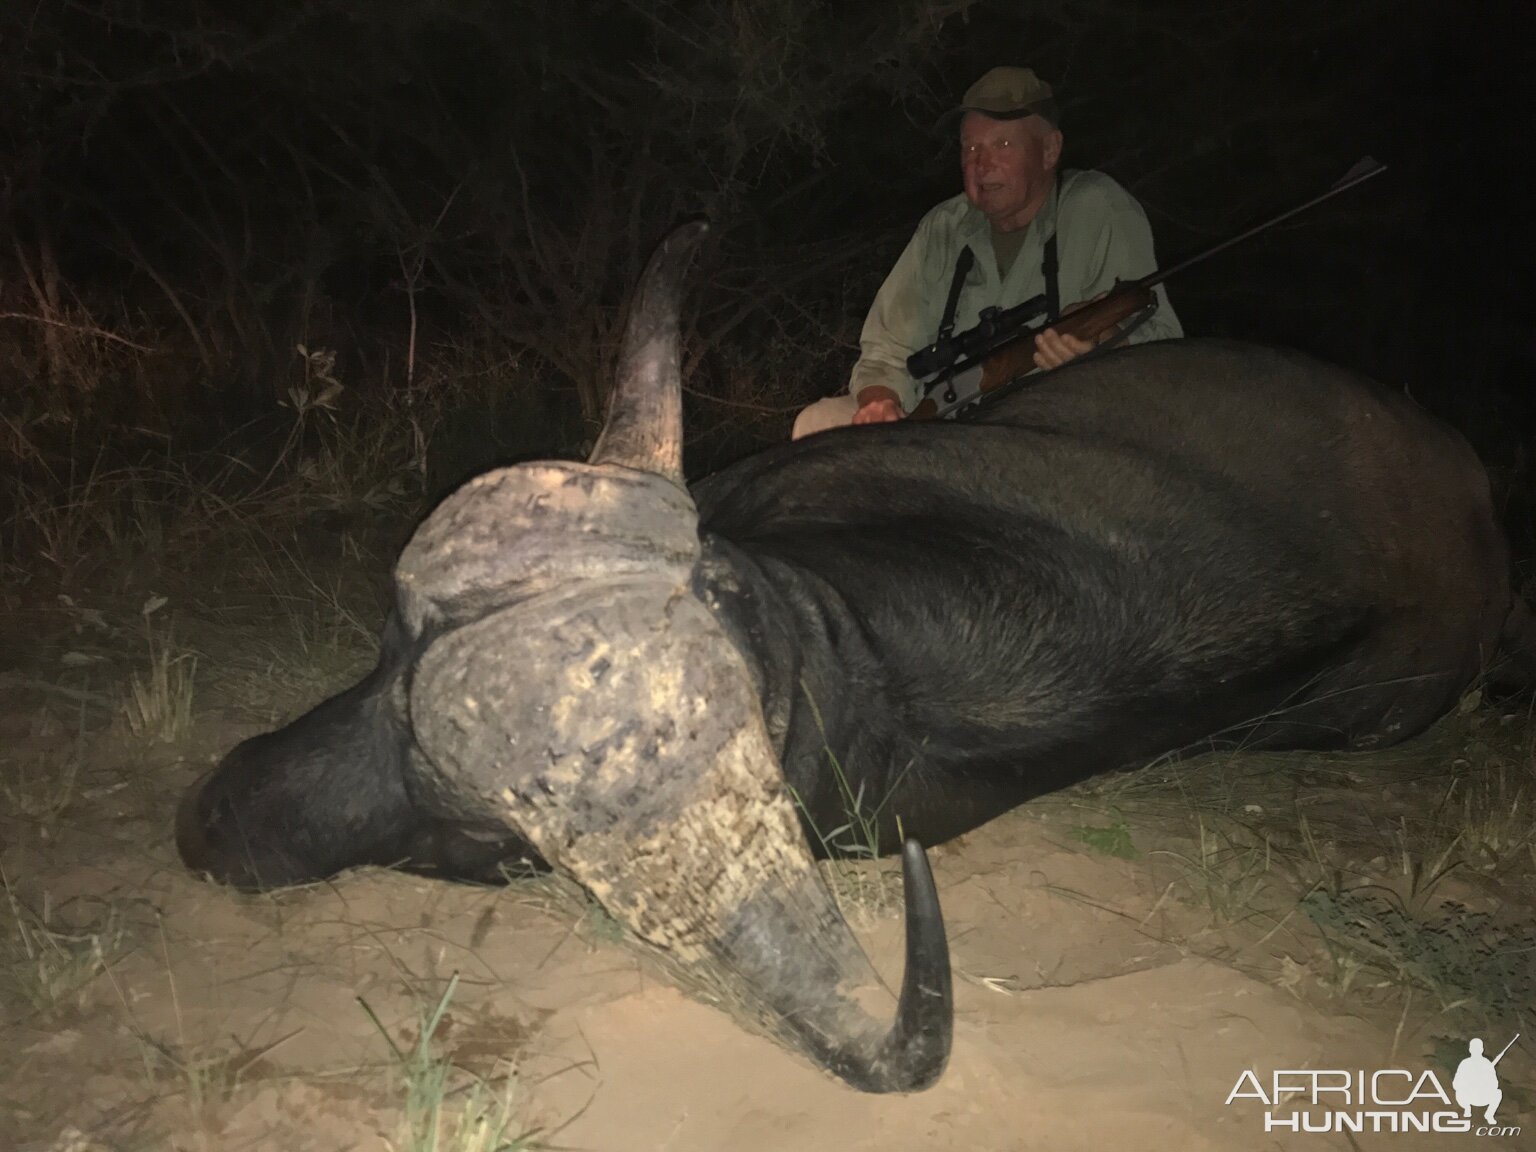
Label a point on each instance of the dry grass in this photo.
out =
(159, 701)
(40, 788)
(68, 516)
(447, 1109)
(865, 886)
(1404, 879)
(50, 957)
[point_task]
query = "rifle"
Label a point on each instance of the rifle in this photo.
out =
(973, 365)
(1505, 1049)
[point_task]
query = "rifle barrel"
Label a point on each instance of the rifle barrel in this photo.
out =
(1359, 174)
(1505, 1049)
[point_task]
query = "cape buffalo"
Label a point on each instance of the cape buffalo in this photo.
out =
(648, 688)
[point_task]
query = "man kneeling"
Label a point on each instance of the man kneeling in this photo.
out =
(1031, 232)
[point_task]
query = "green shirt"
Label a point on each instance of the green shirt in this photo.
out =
(1102, 236)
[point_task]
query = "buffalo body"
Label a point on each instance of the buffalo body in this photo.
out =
(652, 689)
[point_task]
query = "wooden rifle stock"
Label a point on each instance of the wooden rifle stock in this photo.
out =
(1088, 321)
(926, 409)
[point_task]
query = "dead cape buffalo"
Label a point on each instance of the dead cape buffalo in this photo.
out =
(586, 663)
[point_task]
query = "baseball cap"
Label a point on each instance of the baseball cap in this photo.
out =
(1009, 93)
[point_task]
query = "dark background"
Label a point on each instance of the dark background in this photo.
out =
(452, 196)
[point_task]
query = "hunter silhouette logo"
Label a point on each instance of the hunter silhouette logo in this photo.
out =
(1319, 1100)
(1477, 1084)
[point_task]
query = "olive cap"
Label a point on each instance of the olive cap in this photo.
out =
(1009, 93)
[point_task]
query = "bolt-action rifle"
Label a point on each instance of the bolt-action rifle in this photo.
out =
(970, 367)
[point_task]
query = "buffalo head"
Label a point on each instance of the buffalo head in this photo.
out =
(549, 674)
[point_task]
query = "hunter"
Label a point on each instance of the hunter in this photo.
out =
(1030, 232)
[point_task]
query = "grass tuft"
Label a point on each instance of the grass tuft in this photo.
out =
(1112, 839)
(40, 790)
(159, 703)
(447, 1109)
(1223, 871)
(1465, 959)
(47, 963)
(862, 883)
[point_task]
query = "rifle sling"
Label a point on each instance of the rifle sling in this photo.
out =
(962, 269)
(1048, 266)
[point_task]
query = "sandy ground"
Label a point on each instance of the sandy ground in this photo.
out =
(1102, 1001)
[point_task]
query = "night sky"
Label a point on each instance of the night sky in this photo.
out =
(453, 186)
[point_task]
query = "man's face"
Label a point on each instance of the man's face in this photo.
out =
(1008, 166)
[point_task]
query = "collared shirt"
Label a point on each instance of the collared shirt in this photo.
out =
(1102, 236)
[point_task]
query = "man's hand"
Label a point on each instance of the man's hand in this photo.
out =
(1053, 348)
(878, 405)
